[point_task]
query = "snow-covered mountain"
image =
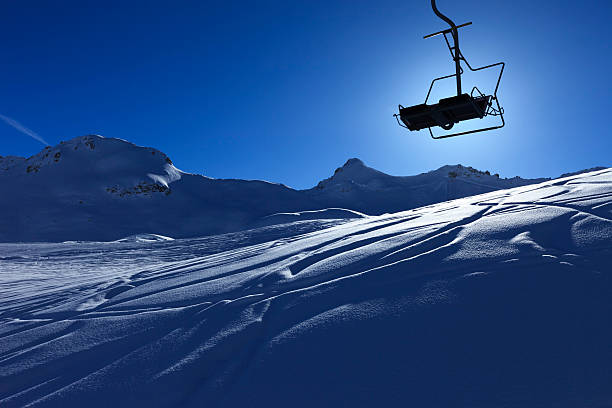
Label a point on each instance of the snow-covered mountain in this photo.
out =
(364, 189)
(498, 300)
(95, 188)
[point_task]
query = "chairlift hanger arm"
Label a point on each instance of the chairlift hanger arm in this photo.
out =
(457, 52)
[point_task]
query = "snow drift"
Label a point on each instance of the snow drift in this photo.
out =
(502, 299)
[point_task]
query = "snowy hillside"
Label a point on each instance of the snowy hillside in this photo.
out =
(498, 300)
(364, 189)
(98, 189)
(94, 188)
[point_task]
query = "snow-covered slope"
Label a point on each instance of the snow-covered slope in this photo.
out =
(364, 189)
(94, 188)
(326, 214)
(498, 300)
(100, 189)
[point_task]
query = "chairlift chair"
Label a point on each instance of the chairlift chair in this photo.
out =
(449, 111)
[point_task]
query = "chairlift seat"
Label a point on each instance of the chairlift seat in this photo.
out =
(445, 113)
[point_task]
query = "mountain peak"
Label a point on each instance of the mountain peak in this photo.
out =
(353, 162)
(93, 163)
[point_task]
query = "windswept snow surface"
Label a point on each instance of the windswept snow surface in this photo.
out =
(325, 214)
(498, 300)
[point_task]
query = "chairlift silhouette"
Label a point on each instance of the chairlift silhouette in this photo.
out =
(449, 111)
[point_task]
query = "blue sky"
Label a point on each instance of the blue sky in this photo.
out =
(286, 91)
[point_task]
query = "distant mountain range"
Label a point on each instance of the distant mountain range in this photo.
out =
(100, 189)
(370, 191)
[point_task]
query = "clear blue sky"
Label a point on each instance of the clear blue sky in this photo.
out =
(286, 91)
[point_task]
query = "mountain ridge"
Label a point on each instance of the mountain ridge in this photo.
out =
(11, 161)
(102, 189)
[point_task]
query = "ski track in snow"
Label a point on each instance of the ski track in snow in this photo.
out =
(385, 310)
